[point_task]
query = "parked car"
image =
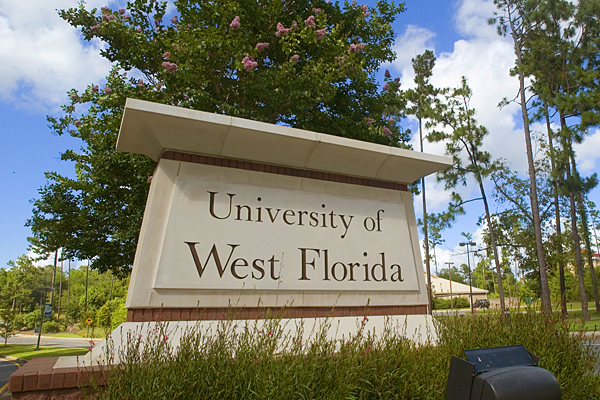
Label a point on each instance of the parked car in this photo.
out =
(481, 303)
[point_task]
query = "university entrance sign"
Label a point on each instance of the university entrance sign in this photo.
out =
(246, 220)
(252, 216)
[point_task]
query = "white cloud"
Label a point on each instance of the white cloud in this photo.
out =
(414, 41)
(75, 264)
(472, 16)
(587, 153)
(43, 56)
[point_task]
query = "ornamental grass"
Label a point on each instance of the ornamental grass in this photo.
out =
(248, 360)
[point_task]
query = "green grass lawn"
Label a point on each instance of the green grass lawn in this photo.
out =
(27, 351)
(592, 325)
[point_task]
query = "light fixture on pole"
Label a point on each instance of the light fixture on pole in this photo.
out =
(467, 244)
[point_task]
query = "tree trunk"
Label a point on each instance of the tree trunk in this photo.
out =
(427, 263)
(544, 288)
(586, 234)
(576, 243)
(494, 247)
(561, 264)
(54, 277)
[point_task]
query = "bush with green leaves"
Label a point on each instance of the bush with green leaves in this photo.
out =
(32, 320)
(119, 315)
(265, 362)
(105, 313)
(457, 302)
(51, 327)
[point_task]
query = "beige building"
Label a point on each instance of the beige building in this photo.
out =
(443, 288)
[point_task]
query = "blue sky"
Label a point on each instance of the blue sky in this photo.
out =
(43, 58)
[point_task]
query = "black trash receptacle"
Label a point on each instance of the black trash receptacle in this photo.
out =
(496, 373)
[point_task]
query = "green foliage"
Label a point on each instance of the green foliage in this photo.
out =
(18, 321)
(51, 327)
(305, 64)
(32, 319)
(570, 357)
(105, 313)
(7, 323)
(264, 362)
(444, 304)
(119, 315)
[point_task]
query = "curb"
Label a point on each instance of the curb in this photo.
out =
(58, 337)
(20, 361)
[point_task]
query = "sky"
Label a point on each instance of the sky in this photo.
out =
(43, 58)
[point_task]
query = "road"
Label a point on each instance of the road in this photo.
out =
(49, 341)
(7, 367)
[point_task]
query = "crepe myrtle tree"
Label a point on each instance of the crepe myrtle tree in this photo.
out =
(304, 64)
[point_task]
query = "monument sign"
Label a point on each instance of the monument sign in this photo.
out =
(252, 216)
(245, 219)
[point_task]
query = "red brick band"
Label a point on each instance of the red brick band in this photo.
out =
(275, 169)
(38, 379)
(209, 314)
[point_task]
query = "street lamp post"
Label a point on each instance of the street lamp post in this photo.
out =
(467, 244)
(42, 303)
(450, 264)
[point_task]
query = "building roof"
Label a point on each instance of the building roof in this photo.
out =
(441, 287)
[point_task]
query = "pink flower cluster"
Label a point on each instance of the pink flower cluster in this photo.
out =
(108, 17)
(174, 19)
(310, 22)
(386, 87)
(295, 58)
(77, 122)
(317, 10)
(262, 45)
(321, 33)
(281, 30)
(235, 24)
(107, 90)
(355, 48)
(121, 11)
(171, 67)
(166, 55)
(387, 132)
(95, 88)
(249, 63)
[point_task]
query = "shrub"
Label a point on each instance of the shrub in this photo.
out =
(105, 313)
(50, 327)
(32, 319)
(264, 362)
(458, 302)
(19, 321)
(119, 315)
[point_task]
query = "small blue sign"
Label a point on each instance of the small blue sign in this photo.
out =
(48, 310)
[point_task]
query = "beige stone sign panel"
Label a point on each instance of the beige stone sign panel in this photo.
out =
(221, 236)
(231, 231)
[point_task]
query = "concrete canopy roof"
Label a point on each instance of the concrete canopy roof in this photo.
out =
(151, 129)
